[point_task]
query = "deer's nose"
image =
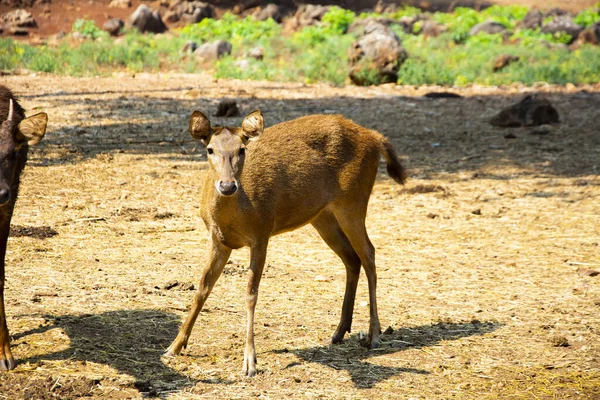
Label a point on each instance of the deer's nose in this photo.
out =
(4, 196)
(227, 188)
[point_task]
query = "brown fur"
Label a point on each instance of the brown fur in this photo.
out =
(318, 169)
(15, 137)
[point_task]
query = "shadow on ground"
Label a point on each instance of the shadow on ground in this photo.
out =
(130, 341)
(432, 135)
(350, 356)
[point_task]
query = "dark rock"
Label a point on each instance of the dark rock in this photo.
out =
(532, 20)
(590, 35)
(563, 23)
(510, 136)
(214, 50)
(442, 95)
(16, 31)
(533, 110)
(503, 61)
(227, 108)
(542, 130)
(272, 11)
(490, 27)
(113, 26)
(190, 12)
(556, 12)
(384, 7)
(189, 47)
(306, 15)
(378, 50)
(18, 19)
(146, 20)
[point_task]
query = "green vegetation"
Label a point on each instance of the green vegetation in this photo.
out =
(319, 53)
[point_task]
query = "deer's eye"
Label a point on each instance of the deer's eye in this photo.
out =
(210, 151)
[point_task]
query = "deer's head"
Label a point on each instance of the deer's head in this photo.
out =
(15, 132)
(226, 147)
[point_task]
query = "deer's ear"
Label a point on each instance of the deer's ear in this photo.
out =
(200, 127)
(253, 125)
(32, 129)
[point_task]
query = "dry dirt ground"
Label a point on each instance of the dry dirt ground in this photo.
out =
(485, 257)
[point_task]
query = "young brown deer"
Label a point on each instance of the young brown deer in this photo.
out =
(318, 169)
(16, 134)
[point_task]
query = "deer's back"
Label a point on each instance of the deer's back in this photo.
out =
(298, 167)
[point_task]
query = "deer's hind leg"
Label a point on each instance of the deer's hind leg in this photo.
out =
(331, 232)
(352, 222)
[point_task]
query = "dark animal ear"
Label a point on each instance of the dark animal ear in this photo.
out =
(200, 127)
(253, 125)
(32, 129)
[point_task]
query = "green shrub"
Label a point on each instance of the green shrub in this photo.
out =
(231, 28)
(319, 53)
(588, 16)
(338, 19)
(88, 29)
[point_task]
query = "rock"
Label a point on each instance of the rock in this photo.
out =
(227, 108)
(587, 272)
(257, 53)
(541, 130)
(306, 15)
(383, 7)
(532, 20)
(242, 64)
(120, 4)
(503, 61)
(113, 26)
(590, 35)
(533, 110)
(190, 11)
(19, 18)
(358, 26)
(490, 27)
(559, 341)
(442, 95)
(379, 50)
(189, 47)
(563, 23)
(555, 12)
(272, 11)
(214, 50)
(433, 28)
(195, 11)
(146, 20)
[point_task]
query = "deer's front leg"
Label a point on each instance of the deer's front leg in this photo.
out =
(219, 255)
(258, 254)
(7, 361)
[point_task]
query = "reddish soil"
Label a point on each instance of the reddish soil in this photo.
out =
(59, 16)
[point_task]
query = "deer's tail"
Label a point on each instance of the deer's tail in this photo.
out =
(394, 168)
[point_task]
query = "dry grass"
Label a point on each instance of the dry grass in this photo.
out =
(477, 255)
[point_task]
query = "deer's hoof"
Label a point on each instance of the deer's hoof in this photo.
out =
(172, 351)
(7, 365)
(249, 368)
